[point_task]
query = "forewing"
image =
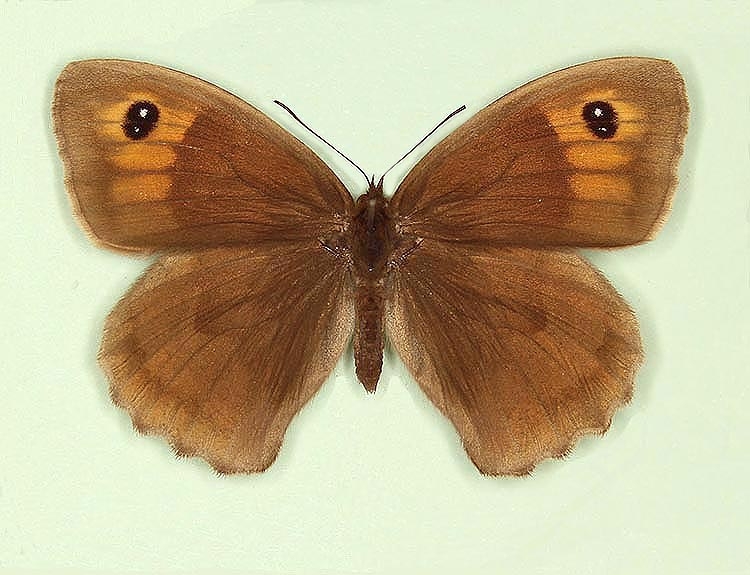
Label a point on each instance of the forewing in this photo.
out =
(523, 350)
(529, 170)
(210, 171)
(218, 350)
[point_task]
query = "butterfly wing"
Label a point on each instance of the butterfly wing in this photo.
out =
(157, 159)
(220, 343)
(217, 350)
(524, 350)
(584, 157)
(520, 342)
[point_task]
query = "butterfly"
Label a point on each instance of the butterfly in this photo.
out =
(267, 267)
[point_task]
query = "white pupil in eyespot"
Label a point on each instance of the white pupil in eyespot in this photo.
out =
(143, 112)
(598, 112)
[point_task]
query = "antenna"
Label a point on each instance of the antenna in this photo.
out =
(322, 139)
(370, 181)
(420, 142)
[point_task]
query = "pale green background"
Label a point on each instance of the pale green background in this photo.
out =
(377, 484)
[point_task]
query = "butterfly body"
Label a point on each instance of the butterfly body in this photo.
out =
(267, 267)
(372, 237)
(375, 247)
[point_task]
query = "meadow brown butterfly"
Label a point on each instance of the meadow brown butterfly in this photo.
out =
(268, 267)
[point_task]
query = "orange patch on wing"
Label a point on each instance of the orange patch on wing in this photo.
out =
(163, 132)
(141, 188)
(116, 112)
(144, 156)
(568, 123)
(602, 155)
(171, 127)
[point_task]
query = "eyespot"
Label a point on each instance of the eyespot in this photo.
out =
(140, 120)
(601, 119)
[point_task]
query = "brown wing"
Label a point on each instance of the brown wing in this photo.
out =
(158, 159)
(582, 157)
(524, 350)
(218, 350)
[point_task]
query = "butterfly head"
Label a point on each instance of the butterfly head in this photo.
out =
(375, 189)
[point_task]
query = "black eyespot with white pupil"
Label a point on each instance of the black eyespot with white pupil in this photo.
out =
(140, 120)
(601, 119)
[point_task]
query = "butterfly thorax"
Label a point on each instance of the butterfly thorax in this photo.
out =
(372, 235)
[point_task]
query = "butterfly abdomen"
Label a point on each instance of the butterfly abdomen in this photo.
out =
(369, 334)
